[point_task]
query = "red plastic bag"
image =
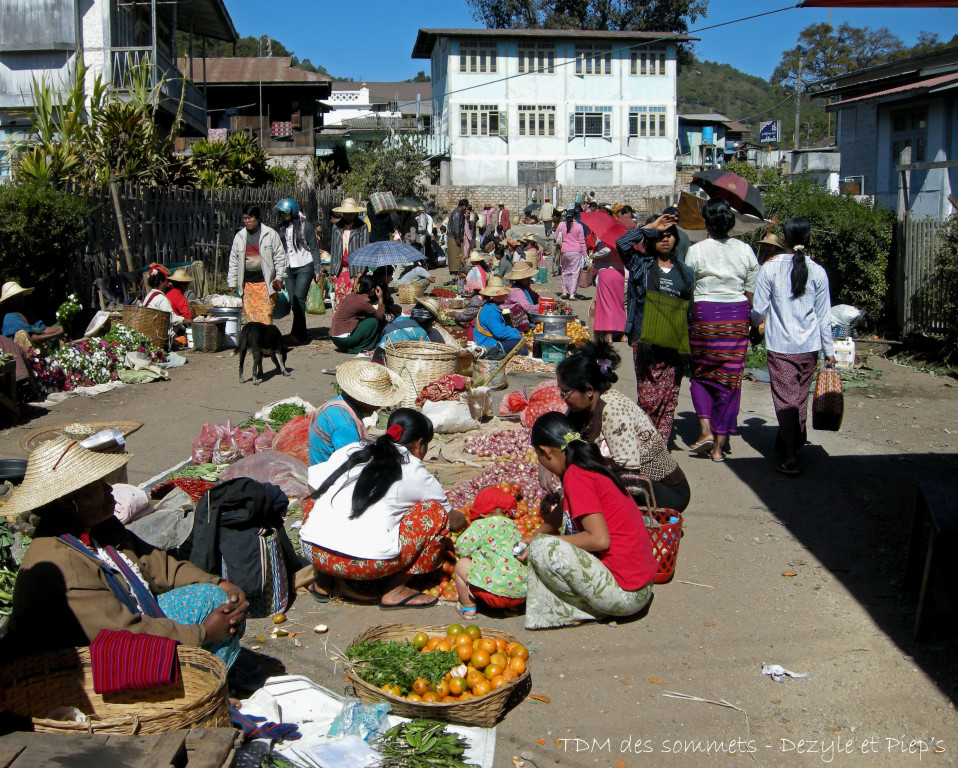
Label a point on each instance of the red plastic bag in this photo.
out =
(245, 440)
(293, 439)
(266, 439)
(203, 445)
(514, 402)
(544, 399)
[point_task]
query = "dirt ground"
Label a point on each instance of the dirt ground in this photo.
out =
(873, 697)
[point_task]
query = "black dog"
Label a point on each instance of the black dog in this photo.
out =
(261, 339)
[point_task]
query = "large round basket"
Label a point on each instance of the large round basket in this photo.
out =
(418, 363)
(483, 711)
(410, 292)
(36, 685)
(152, 323)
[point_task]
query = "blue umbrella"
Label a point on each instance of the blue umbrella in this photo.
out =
(383, 253)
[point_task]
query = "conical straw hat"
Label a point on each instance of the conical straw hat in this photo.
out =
(371, 383)
(56, 469)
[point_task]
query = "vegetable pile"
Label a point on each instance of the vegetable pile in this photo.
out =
(421, 744)
(397, 665)
(508, 443)
(278, 417)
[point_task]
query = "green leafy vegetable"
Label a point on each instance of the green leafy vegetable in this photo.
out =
(421, 744)
(379, 662)
(284, 413)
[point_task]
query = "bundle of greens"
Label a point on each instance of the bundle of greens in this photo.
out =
(421, 744)
(278, 417)
(382, 662)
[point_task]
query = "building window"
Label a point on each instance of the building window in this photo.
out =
(478, 58)
(537, 120)
(909, 131)
(591, 122)
(481, 120)
(593, 60)
(537, 58)
(648, 122)
(648, 60)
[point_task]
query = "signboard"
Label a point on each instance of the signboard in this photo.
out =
(770, 131)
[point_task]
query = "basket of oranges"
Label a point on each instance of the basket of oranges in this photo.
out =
(488, 672)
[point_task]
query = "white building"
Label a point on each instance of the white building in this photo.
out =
(535, 106)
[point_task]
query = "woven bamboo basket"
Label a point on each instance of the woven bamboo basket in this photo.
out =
(409, 293)
(418, 363)
(36, 685)
(209, 337)
(152, 323)
(482, 711)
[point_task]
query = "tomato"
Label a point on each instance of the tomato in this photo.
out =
(420, 640)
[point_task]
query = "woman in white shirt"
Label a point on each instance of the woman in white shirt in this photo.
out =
(725, 273)
(380, 514)
(792, 295)
(157, 279)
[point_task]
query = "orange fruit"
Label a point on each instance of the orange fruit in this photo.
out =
(465, 652)
(431, 697)
(432, 643)
(509, 648)
(481, 688)
(500, 645)
(391, 688)
(520, 652)
(414, 697)
(457, 685)
(420, 686)
(444, 645)
(491, 671)
(510, 674)
(466, 695)
(473, 631)
(472, 677)
(499, 658)
(447, 699)
(462, 639)
(442, 688)
(498, 681)
(420, 640)
(488, 645)
(517, 664)
(480, 659)
(454, 629)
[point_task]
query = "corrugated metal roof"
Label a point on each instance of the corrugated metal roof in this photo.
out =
(918, 85)
(426, 39)
(706, 117)
(253, 69)
(388, 91)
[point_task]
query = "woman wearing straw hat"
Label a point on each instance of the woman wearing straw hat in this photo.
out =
(492, 332)
(366, 387)
(347, 236)
(85, 572)
(522, 299)
(768, 248)
(179, 286)
(380, 514)
(478, 274)
(13, 298)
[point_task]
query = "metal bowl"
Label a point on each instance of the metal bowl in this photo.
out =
(551, 324)
(13, 470)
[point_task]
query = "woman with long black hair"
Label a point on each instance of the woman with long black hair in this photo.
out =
(570, 239)
(380, 514)
(593, 558)
(792, 296)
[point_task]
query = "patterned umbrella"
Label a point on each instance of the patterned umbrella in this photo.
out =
(737, 192)
(383, 253)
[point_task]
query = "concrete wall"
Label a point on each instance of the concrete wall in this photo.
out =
(516, 198)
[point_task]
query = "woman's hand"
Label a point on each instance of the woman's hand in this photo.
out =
(235, 594)
(378, 293)
(317, 277)
(277, 285)
(830, 360)
(224, 621)
(664, 222)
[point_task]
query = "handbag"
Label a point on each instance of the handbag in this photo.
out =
(665, 322)
(383, 202)
(316, 299)
(828, 403)
(274, 597)
(282, 306)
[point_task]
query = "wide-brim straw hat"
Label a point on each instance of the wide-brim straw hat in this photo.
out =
(489, 247)
(771, 239)
(371, 383)
(180, 276)
(521, 271)
(477, 256)
(431, 305)
(56, 469)
(349, 205)
(532, 253)
(12, 289)
(495, 287)
(528, 237)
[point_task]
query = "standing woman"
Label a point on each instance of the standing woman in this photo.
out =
(302, 253)
(347, 235)
(792, 295)
(570, 237)
(725, 274)
(257, 266)
(661, 364)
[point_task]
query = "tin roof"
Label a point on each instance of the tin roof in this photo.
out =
(244, 70)
(927, 84)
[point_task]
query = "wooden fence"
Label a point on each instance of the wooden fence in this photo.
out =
(918, 289)
(168, 226)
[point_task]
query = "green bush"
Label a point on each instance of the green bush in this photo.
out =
(746, 171)
(852, 240)
(280, 174)
(41, 230)
(945, 304)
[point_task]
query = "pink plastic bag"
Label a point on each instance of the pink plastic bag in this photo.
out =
(272, 467)
(245, 440)
(226, 451)
(265, 441)
(293, 439)
(203, 445)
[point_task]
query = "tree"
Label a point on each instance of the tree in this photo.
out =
(421, 77)
(394, 164)
(633, 15)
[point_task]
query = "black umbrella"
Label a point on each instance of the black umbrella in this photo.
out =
(534, 208)
(735, 190)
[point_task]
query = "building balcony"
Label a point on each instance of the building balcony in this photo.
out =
(174, 84)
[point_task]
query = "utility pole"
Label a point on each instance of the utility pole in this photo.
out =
(798, 98)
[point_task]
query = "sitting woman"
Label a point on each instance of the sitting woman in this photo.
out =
(478, 274)
(366, 387)
(466, 316)
(522, 299)
(418, 325)
(157, 279)
(180, 294)
(623, 431)
(384, 277)
(85, 572)
(358, 318)
(13, 298)
(380, 514)
(602, 563)
(492, 331)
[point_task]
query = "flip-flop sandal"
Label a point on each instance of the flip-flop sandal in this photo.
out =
(718, 461)
(700, 448)
(791, 471)
(466, 613)
(319, 597)
(405, 603)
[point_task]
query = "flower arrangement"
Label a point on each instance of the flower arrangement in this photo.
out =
(68, 310)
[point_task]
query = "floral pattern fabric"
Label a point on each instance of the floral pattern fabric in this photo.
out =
(423, 541)
(567, 584)
(658, 395)
(258, 304)
(488, 543)
(191, 605)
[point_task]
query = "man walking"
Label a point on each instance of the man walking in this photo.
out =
(545, 216)
(504, 219)
(456, 232)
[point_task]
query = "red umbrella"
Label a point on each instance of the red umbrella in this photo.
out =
(606, 228)
(737, 192)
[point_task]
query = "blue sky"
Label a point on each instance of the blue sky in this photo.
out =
(378, 36)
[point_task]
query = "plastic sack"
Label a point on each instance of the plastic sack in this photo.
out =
(845, 314)
(293, 439)
(448, 417)
(544, 399)
(264, 442)
(367, 721)
(226, 451)
(272, 467)
(263, 413)
(203, 445)
(316, 298)
(170, 524)
(281, 307)
(245, 440)
(130, 503)
(514, 402)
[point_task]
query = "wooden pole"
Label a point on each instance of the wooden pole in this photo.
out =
(505, 361)
(216, 264)
(119, 222)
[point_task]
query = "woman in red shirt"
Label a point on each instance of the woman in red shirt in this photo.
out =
(602, 563)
